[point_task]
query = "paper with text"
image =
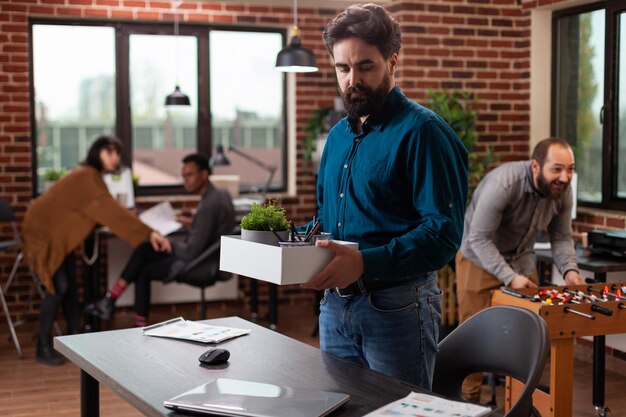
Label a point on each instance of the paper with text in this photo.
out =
(161, 218)
(424, 405)
(179, 328)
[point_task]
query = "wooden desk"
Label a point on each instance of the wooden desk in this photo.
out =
(145, 371)
(587, 261)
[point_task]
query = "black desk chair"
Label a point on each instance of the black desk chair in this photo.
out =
(503, 339)
(204, 271)
(14, 244)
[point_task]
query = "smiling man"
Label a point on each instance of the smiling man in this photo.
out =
(511, 205)
(393, 177)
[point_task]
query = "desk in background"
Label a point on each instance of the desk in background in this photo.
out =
(145, 371)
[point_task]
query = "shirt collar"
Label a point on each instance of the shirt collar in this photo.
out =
(530, 184)
(377, 119)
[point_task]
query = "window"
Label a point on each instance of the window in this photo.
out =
(113, 78)
(247, 105)
(589, 101)
(162, 135)
(74, 100)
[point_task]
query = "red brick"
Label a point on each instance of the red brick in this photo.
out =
(80, 2)
(91, 12)
(159, 5)
(134, 3)
(18, 8)
(40, 10)
(221, 18)
(616, 223)
(121, 14)
(63, 11)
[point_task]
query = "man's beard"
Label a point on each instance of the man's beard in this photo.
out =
(368, 100)
(547, 189)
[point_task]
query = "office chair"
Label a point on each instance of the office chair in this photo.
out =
(502, 339)
(204, 271)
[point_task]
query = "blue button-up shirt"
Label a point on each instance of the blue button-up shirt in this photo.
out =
(399, 189)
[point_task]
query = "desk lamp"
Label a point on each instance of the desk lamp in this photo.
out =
(220, 158)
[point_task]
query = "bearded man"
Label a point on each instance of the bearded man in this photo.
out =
(511, 206)
(393, 177)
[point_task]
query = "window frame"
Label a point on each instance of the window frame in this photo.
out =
(610, 200)
(123, 122)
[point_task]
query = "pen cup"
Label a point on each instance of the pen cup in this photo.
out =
(320, 236)
(296, 244)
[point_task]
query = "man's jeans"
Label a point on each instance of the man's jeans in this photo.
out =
(393, 331)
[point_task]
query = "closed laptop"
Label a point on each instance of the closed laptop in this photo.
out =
(232, 397)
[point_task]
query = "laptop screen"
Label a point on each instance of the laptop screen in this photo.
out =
(121, 187)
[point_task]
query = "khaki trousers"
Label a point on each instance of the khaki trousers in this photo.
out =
(473, 290)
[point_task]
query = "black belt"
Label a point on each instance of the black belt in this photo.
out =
(366, 288)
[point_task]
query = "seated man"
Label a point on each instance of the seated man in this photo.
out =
(214, 217)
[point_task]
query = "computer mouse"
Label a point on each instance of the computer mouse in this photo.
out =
(214, 356)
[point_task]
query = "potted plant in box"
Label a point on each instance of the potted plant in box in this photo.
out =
(258, 224)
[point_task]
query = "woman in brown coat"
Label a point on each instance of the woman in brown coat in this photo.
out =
(59, 220)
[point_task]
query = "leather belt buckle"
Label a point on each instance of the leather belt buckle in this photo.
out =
(344, 292)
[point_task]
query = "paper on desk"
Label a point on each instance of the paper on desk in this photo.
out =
(161, 218)
(179, 328)
(418, 404)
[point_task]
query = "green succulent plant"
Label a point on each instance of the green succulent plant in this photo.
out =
(264, 216)
(52, 174)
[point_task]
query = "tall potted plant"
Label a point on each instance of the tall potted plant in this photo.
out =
(458, 109)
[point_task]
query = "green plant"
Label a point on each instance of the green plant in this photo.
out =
(264, 216)
(458, 109)
(317, 124)
(52, 174)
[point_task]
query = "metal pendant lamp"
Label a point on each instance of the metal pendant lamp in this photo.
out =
(176, 98)
(294, 57)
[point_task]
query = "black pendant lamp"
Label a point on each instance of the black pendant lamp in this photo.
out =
(177, 98)
(294, 57)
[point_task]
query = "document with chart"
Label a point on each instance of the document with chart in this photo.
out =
(424, 405)
(179, 328)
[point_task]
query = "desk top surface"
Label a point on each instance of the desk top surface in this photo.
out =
(587, 260)
(145, 371)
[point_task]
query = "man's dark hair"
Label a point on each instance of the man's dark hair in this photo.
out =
(371, 23)
(540, 153)
(201, 161)
(101, 142)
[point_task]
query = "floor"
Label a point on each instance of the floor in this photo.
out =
(29, 389)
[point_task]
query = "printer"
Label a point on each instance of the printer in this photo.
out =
(608, 242)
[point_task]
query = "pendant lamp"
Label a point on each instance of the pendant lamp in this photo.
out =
(294, 57)
(177, 98)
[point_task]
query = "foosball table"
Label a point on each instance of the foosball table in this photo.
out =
(570, 311)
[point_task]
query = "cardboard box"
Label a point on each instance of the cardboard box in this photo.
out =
(272, 263)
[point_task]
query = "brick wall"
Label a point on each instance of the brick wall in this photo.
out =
(476, 45)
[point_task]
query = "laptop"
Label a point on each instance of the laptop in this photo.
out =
(233, 397)
(121, 187)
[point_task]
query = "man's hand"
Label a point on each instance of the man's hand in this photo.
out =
(160, 243)
(573, 278)
(521, 281)
(344, 269)
(185, 219)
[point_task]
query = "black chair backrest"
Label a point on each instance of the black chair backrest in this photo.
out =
(506, 340)
(204, 269)
(6, 212)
